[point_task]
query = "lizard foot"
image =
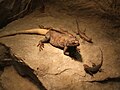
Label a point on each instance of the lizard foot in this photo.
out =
(41, 46)
(66, 53)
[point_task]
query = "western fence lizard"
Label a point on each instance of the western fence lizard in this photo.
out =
(95, 68)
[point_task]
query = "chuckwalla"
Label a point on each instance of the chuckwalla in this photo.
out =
(61, 39)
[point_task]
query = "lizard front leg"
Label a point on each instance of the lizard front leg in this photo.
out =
(41, 43)
(44, 40)
(65, 50)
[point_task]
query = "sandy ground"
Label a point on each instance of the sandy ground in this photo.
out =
(57, 71)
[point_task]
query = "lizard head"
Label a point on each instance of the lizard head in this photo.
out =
(85, 66)
(73, 42)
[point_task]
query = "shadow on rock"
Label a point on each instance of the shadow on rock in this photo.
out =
(75, 54)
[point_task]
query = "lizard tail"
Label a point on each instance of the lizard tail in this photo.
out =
(31, 31)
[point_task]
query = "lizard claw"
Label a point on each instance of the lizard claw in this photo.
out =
(66, 53)
(41, 46)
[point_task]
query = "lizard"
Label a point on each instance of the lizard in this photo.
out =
(61, 39)
(82, 34)
(95, 68)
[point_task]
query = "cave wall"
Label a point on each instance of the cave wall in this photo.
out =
(14, 9)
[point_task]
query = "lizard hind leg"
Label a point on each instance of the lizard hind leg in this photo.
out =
(40, 45)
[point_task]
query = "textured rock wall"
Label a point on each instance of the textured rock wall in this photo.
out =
(14, 9)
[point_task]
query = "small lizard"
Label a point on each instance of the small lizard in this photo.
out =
(95, 68)
(82, 34)
(61, 39)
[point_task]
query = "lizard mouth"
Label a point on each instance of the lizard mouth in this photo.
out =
(76, 43)
(73, 43)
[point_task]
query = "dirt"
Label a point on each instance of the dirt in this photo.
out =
(55, 70)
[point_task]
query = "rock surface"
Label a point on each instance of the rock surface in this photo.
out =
(55, 70)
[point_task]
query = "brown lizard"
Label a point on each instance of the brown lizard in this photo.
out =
(61, 39)
(82, 34)
(95, 68)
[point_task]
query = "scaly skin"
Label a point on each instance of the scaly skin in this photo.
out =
(82, 34)
(95, 68)
(60, 39)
